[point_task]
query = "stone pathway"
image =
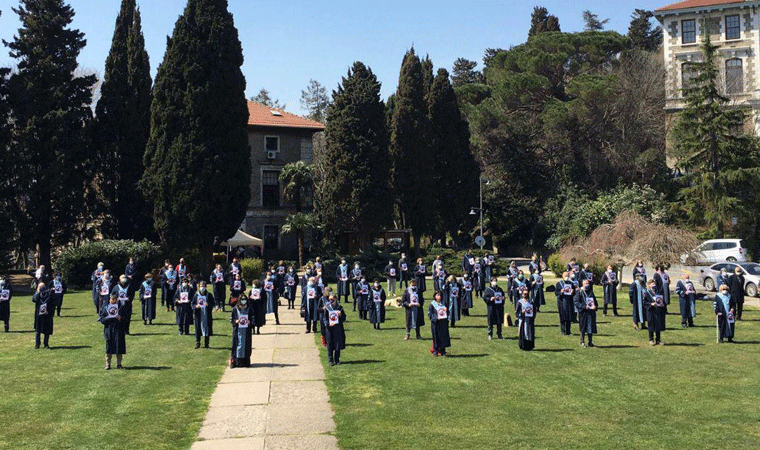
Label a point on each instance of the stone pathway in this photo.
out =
(280, 402)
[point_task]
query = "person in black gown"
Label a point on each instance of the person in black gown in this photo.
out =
(113, 330)
(438, 314)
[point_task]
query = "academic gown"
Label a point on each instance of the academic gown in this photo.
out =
(686, 299)
(655, 314)
(419, 274)
(452, 297)
(363, 297)
(202, 317)
(270, 294)
(356, 277)
(467, 294)
(280, 280)
(494, 300)
(640, 270)
(184, 310)
(113, 330)
(439, 281)
(57, 289)
(310, 296)
(290, 286)
(439, 325)
(487, 272)
(343, 275)
(234, 269)
(122, 292)
(220, 286)
(257, 304)
(518, 286)
(666, 288)
(377, 313)
(148, 300)
(391, 272)
(104, 291)
(44, 310)
(478, 283)
(403, 270)
(537, 290)
(636, 294)
(415, 317)
(525, 314)
(335, 335)
(736, 288)
(241, 335)
(132, 282)
(6, 295)
(609, 284)
(171, 285)
(565, 292)
(723, 307)
(97, 274)
(586, 305)
(467, 262)
(586, 275)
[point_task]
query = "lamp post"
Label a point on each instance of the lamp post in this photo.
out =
(480, 240)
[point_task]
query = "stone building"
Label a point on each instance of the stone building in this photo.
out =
(733, 26)
(276, 138)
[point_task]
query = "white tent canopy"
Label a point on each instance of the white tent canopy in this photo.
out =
(242, 239)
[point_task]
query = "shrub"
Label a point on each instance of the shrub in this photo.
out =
(76, 264)
(557, 264)
(252, 269)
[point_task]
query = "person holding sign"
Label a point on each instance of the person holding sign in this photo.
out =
(241, 333)
(218, 278)
(237, 287)
(203, 304)
(537, 290)
(362, 291)
(58, 288)
(686, 300)
(148, 299)
(586, 274)
(291, 279)
(391, 275)
(6, 294)
(413, 302)
(356, 277)
(270, 293)
(113, 331)
(258, 305)
(122, 293)
(342, 274)
(565, 291)
(438, 313)
(478, 279)
(609, 284)
(170, 282)
(403, 270)
(493, 297)
(736, 289)
(586, 304)
(525, 313)
(44, 310)
(468, 261)
(310, 296)
(639, 269)
(466, 294)
(655, 310)
(452, 298)
(335, 334)
(725, 312)
(97, 274)
(377, 311)
(637, 294)
(103, 286)
(419, 274)
(182, 298)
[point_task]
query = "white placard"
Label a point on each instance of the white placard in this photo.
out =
(103, 289)
(148, 291)
(334, 318)
(268, 286)
(442, 313)
(112, 311)
(414, 299)
(5, 295)
(236, 285)
(498, 298)
(202, 301)
(184, 297)
(255, 294)
(392, 272)
(43, 309)
(243, 321)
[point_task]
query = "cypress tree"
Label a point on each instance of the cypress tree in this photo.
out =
(427, 75)
(541, 21)
(356, 195)
(123, 128)
(50, 106)
(198, 163)
(410, 130)
(7, 228)
(455, 170)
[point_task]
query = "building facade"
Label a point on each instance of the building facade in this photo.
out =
(276, 138)
(734, 27)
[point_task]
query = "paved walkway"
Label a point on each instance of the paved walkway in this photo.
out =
(280, 402)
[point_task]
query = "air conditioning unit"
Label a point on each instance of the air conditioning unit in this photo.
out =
(271, 154)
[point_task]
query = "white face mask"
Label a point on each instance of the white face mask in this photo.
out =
(724, 292)
(377, 285)
(243, 302)
(493, 283)
(203, 288)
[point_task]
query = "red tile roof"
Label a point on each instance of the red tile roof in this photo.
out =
(261, 116)
(688, 4)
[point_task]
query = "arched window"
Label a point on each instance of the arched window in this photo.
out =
(734, 76)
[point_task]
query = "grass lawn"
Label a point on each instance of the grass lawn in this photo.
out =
(62, 398)
(691, 393)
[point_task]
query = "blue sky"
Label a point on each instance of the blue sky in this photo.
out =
(285, 43)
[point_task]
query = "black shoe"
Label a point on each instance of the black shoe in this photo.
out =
(36, 346)
(308, 331)
(330, 363)
(197, 345)
(277, 322)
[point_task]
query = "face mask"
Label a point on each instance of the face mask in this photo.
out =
(184, 284)
(724, 292)
(243, 302)
(521, 277)
(567, 278)
(377, 285)
(414, 288)
(493, 283)
(203, 289)
(311, 283)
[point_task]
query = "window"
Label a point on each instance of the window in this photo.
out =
(688, 31)
(732, 27)
(688, 73)
(270, 189)
(734, 76)
(272, 143)
(271, 237)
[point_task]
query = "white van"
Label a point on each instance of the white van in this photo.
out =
(716, 250)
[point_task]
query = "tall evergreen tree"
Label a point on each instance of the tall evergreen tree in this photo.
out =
(464, 72)
(315, 100)
(7, 228)
(592, 22)
(541, 21)
(264, 98)
(456, 172)
(122, 129)
(427, 75)
(410, 145)
(198, 162)
(356, 197)
(50, 106)
(641, 33)
(718, 159)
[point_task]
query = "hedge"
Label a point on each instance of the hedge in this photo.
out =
(558, 265)
(76, 264)
(252, 269)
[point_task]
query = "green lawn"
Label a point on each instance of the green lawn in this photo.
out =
(691, 393)
(62, 398)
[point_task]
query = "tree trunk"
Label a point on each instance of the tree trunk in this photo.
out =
(300, 247)
(416, 236)
(43, 252)
(206, 260)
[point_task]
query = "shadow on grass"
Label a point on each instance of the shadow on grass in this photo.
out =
(69, 347)
(470, 356)
(616, 346)
(147, 367)
(21, 331)
(747, 342)
(553, 350)
(72, 317)
(269, 365)
(471, 326)
(359, 345)
(684, 344)
(148, 334)
(363, 361)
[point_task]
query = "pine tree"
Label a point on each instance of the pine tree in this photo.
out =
(641, 33)
(718, 159)
(455, 170)
(541, 21)
(356, 196)
(198, 162)
(122, 129)
(410, 149)
(315, 100)
(592, 22)
(50, 106)
(264, 98)
(464, 72)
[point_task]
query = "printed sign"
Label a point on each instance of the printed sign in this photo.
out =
(202, 301)
(104, 289)
(528, 311)
(182, 273)
(690, 288)
(235, 270)
(365, 290)
(467, 286)
(268, 286)
(420, 269)
(122, 295)
(376, 297)
(243, 321)
(590, 276)
(291, 281)
(643, 271)
(471, 261)
(236, 285)
(454, 291)
(403, 267)
(5, 295)
(498, 298)
(255, 294)
(148, 291)
(414, 299)
(659, 300)
(58, 288)
(442, 312)
(477, 268)
(43, 309)
(567, 289)
(219, 278)
(112, 311)
(590, 303)
(392, 272)
(281, 270)
(311, 294)
(184, 297)
(334, 318)
(539, 279)
(730, 317)
(613, 277)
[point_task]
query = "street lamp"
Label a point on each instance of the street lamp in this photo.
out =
(480, 240)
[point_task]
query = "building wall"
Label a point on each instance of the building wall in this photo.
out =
(294, 145)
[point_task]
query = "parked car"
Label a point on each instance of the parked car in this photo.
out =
(751, 271)
(716, 250)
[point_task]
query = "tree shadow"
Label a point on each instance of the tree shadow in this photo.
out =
(480, 355)
(363, 361)
(147, 368)
(392, 328)
(70, 347)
